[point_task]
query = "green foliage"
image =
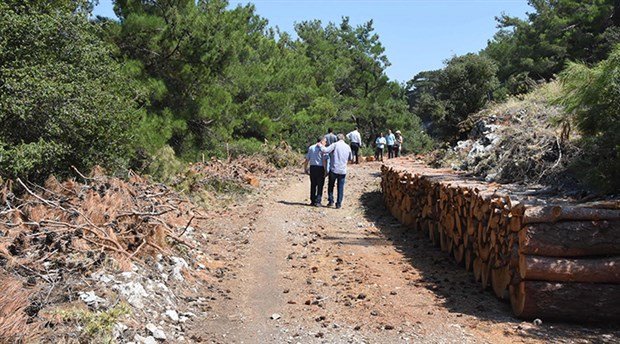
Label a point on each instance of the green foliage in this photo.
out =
(591, 96)
(63, 100)
(521, 54)
(193, 78)
(245, 147)
(165, 166)
(96, 326)
(216, 81)
(555, 32)
(282, 156)
(367, 151)
(445, 97)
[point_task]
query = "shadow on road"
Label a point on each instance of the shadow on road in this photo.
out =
(295, 203)
(456, 288)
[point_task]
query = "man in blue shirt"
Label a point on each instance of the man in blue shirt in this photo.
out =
(317, 171)
(340, 155)
(330, 138)
(390, 140)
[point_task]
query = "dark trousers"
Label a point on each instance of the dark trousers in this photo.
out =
(355, 148)
(379, 154)
(390, 151)
(396, 151)
(317, 180)
(333, 178)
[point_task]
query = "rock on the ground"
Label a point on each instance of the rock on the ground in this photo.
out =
(133, 292)
(173, 315)
(118, 330)
(179, 265)
(144, 340)
(92, 300)
(156, 331)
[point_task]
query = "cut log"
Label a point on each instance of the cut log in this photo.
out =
(485, 275)
(459, 254)
(600, 270)
(469, 260)
(550, 214)
(581, 302)
(500, 279)
(571, 239)
(477, 267)
(508, 243)
(443, 240)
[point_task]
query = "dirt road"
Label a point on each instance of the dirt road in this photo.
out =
(353, 275)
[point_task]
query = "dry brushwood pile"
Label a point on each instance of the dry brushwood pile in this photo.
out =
(101, 216)
(520, 140)
(552, 258)
(63, 240)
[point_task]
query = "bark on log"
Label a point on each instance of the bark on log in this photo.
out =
(571, 239)
(550, 214)
(601, 270)
(582, 302)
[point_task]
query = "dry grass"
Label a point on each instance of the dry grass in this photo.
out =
(15, 326)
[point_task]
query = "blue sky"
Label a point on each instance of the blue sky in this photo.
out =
(417, 34)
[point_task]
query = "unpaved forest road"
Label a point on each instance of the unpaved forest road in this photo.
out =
(354, 275)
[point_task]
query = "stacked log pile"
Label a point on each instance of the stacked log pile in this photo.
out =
(551, 259)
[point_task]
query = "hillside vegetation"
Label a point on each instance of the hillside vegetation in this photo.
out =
(200, 77)
(203, 78)
(572, 42)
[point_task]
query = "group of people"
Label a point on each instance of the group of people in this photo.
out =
(394, 143)
(329, 157)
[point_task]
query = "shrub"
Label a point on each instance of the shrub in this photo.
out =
(97, 326)
(165, 166)
(591, 97)
(242, 147)
(63, 100)
(367, 151)
(282, 155)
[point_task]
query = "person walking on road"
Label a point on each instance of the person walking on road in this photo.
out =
(330, 137)
(390, 140)
(317, 171)
(341, 154)
(379, 146)
(356, 142)
(398, 143)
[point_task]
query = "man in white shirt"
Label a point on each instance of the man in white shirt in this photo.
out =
(340, 155)
(380, 143)
(356, 142)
